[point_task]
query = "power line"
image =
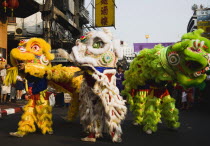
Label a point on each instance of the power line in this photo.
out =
(89, 4)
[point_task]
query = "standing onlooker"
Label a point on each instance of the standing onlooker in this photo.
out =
(13, 93)
(184, 99)
(119, 78)
(4, 88)
(19, 86)
(190, 97)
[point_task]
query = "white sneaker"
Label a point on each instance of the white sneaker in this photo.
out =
(135, 123)
(16, 134)
(149, 131)
(89, 139)
(50, 132)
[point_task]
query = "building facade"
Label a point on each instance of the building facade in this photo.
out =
(140, 46)
(200, 20)
(59, 22)
(127, 51)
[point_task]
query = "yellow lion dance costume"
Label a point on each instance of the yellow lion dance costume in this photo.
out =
(31, 60)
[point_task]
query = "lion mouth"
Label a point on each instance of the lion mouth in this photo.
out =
(194, 65)
(19, 61)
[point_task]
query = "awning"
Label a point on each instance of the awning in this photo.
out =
(25, 9)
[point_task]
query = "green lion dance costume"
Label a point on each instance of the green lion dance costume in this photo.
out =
(185, 62)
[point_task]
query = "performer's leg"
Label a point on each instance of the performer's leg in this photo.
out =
(139, 103)
(88, 115)
(26, 125)
(73, 108)
(91, 137)
(44, 116)
(169, 112)
(151, 115)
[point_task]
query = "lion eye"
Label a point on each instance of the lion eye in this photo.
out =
(35, 47)
(21, 48)
(98, 44)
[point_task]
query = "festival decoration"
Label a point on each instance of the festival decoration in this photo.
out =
(5, 5)
(146, 81)
(13, 4)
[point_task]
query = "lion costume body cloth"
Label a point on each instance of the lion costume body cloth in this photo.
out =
(92, 85)
(33, 52)
(101, 107)
(185, 62)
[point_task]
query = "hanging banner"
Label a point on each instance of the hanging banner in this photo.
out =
(104, 13)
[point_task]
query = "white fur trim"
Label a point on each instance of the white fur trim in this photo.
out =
(63, 53)
(81, 59)
(104, 38)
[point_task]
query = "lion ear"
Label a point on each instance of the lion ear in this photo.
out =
(180, 45)
(50, 56)
(46, 51)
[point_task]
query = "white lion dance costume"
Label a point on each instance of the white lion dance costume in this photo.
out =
(101, 107)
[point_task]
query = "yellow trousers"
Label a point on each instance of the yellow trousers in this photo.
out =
(39, 112)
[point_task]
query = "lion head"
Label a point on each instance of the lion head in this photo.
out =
(34, 50)
(190, 58)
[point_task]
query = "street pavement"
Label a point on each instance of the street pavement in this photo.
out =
(12, 104)
(194, 131)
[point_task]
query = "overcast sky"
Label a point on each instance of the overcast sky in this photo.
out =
(162, 20)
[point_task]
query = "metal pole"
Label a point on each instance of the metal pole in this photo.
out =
(93, 12)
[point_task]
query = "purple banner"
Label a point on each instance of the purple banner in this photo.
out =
(140, 46)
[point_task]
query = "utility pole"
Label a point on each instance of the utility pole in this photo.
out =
(147, 37)
(47, 16)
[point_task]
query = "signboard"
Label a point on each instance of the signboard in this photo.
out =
(67, 98)
(205, 25)
(104, 13)
(58, 58)
(203, 17)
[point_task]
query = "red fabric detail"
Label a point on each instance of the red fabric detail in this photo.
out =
(133, 92)
(112, 134)
(110, 98)
(18, 110)
(30, 90)
(66, 86)
(143, 90)
(109, 76)
(91, 135)
(35, 96)
(178, 87)
(205, 47)
(160, 93)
